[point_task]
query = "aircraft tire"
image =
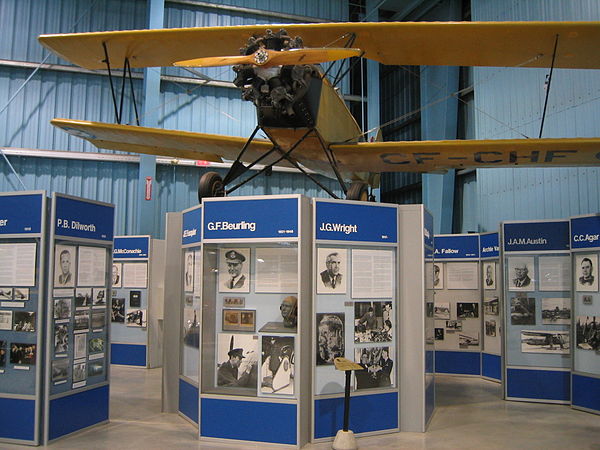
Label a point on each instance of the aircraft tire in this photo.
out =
(358, 191)
(210, 185)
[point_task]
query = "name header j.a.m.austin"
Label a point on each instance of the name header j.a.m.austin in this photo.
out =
(527, 241)
(338, 227)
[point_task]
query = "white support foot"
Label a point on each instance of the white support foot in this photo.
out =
(344, 440)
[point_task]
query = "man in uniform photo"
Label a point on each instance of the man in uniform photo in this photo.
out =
(66, 277)
(332, 278)
(227, 374)
(587, 271)
(235, 262)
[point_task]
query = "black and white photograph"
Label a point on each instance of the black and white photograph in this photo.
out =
(98, 296)
(96, 345)
(95, 368)
(332, 269)
(80, 346)
(489, 275)
(24, 321)
(429, 309)
(62, 308)
(61, 338)
(377, 368)
(522, 311)
(21, 294)
(373, 321)
(467, 310)
(60, 369)
(237, 360)
(587, 332)
(6, 293)
(64, 266)
(439, 334)
(3, 352)
(83, 297)
(490, 328)
(545, 341)
(587, 299)
(188, 272)
(22, 354)
(234, 302)
(239, 320)
(98, 320)
(79, 372)
(117, 277)
(466, 340)
(441, 311)
(586, 273)
(277, 365)
(135, 299)
(6, 321)
(81, 321)
(556, 311)
(135, 318)
(330, 337)
(491, 306)
(117, 312)
(191, 328)
(453, 325)
(234, 270)
(521, 273)
(438, 276)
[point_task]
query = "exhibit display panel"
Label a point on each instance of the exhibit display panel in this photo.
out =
(22, 299)
(585, 248)
(355, 306)
(491, 309)
(255, 319)
(137, 301)
(537, 311)
(457, 306)
(191, 289)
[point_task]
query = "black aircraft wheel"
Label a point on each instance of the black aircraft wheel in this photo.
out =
(211, 185)
(358, 191)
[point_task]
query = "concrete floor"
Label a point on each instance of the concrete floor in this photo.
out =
(470, 414)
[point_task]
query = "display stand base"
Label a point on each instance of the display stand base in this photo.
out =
(344, 440)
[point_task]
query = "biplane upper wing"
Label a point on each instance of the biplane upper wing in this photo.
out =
(406, 156)
(524, 44)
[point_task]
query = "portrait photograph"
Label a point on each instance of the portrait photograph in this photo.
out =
(545, 341)
(373, 321)
(332, 270)
(136, 318)
(6, 293)
(438, 276)
(556, 311)
(489, 275)
(277, 365)
(22, 354)
(490, 328)
(377, 368)
(62, 308)
(441, 311)
(239, 320)
(6, 321)
(587, 333)
(237, 361)
(64, 266)
(330, 337)
(83, 297)
(586, 273)
(79, 372)
(234, 270)
(21, 294)
(61, 338)
(438, 334)
(522, 311)
(521, 273)
(95, 368)
(466, 340)
(117, 275)
(81, 321)
(60, 369)
(24, 321)
(117, 312)
(467, 310)
(188, 271)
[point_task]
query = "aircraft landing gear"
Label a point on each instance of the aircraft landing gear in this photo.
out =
(358, 191)
(210, 185)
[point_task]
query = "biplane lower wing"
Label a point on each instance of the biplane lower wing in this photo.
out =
(374, 157)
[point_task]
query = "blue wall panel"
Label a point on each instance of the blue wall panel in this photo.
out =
(491, 366)
(188, 400)
(128, 354)
(460, 363)
(538, 384)
(17, 419)
(586, 392)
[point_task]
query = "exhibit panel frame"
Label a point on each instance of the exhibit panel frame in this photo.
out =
(137, 301)
(23, 242)
(585, 251)
(537, 311)
(255, 254)
(355, 287)
(492, 299)
(457, 308)
(190, 301)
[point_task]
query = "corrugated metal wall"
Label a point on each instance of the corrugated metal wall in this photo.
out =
(514, 100)
(53, 93)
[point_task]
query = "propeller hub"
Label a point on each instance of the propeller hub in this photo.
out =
(261, 56)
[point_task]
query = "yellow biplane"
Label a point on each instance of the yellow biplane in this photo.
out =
(305, 119)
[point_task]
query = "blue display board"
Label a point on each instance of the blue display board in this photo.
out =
(79, 218)
(489, 247)
(251, 219)
(428, 229)
(355, 222)
(536, 236)
(21, 214)
(131, 247)
(192, 226)
(461, 246)
(585, 232)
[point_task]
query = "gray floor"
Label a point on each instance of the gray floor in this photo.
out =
(470, 415)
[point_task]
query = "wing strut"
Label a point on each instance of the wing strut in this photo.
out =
(126, 74)
(548, 87)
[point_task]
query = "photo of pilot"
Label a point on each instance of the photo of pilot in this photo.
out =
(116, 275)
(64, 265)
(521, 272)
(238, 354)
(585, 267)
(438, 276)
(234, 270)
(489, 275)
(332, 263)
